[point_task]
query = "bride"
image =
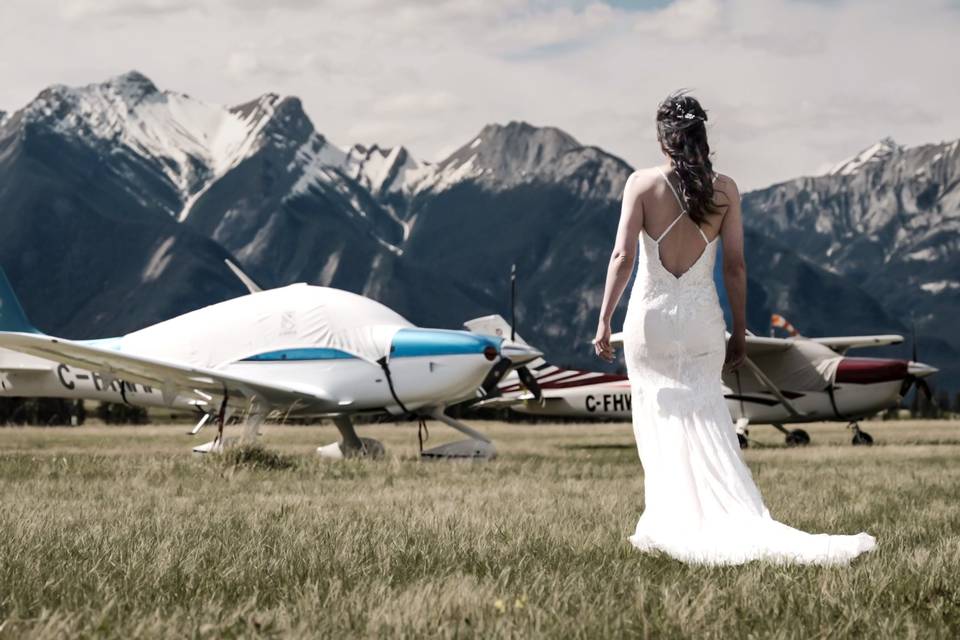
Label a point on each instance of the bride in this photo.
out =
(702, 505)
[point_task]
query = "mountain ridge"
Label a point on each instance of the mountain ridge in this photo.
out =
(259, 184)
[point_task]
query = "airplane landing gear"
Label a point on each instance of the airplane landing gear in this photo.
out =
(798, 438)
(860, 438)
(742, 432)
(476, 447)
(351, 445)
(794, 437)
(742, 439)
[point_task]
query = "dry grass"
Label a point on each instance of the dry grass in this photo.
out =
(121, 532)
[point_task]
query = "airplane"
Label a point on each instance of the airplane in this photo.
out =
(292, 352)
(783, 381)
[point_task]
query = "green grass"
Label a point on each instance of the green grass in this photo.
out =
(121, 532)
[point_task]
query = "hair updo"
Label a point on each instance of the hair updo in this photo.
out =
(682, 133)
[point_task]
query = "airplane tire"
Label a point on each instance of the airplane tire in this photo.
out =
(798, 438)
(862, 438)
(742, 439)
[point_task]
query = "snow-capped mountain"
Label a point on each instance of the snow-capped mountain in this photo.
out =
(874, 154)
(121, 201)
(385, 171)
(888, 218)
(504, 156)
(189, 142)
(88, 231)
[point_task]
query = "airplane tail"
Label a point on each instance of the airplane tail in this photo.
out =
(12, 317)
(496, 325)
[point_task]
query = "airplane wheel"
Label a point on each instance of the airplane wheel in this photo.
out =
(798, 438)
(862, 438)
(742, 439)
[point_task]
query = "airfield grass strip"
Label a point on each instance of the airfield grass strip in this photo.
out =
(124, 533)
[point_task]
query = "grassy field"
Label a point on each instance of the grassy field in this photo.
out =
(122, 532)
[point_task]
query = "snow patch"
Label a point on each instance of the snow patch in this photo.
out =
(824, 224)
(923, 255)
(940, 286)
(872, 155)
(451, 175)
(159, 260)
(384, 171)
(192, 142)
(330, 268)
(319, 162)
(395, 250)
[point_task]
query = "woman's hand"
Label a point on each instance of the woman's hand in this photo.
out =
(601, 344)
(736, 351)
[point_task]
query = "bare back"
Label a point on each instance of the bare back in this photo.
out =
(680, 241)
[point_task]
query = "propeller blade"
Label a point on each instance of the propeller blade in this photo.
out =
(513, 302)
(922, 386)
(913, 339)
(906, 384)
(529, 381)
(494, 376)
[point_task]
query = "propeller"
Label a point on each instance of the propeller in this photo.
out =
(916, 375)
(527, 379)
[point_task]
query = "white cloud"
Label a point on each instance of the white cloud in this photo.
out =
(684, 21)
(79, 9)
(417, 103)
(790, 85)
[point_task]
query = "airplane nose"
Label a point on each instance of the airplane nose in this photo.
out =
(518, 353)
(920, 370)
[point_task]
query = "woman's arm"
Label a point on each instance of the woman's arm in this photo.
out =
(621, 262)
(734, 274)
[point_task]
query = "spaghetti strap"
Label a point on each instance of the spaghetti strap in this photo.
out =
(683, 209)
(672, 190)
(669, 227)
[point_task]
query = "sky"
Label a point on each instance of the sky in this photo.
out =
(791, 87)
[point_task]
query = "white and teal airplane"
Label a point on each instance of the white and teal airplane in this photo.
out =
(296, 351)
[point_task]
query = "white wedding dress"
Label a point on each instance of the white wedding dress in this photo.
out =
(702, 505)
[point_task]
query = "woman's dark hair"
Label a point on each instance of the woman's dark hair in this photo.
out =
(682, 133)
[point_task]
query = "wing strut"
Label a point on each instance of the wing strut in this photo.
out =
(768, 383)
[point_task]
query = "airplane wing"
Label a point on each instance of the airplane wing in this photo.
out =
(759, 345)
(21, 362)
(501, 402)
(841, 344)
(173, 379)
(756, 345)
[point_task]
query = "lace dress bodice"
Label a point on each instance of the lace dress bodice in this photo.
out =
(674, 333)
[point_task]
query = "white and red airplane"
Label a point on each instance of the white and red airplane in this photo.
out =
(784, 381)
(293, 351)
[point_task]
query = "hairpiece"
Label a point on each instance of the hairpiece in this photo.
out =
(683, 114)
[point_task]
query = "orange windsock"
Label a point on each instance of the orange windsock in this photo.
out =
(777, 320)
